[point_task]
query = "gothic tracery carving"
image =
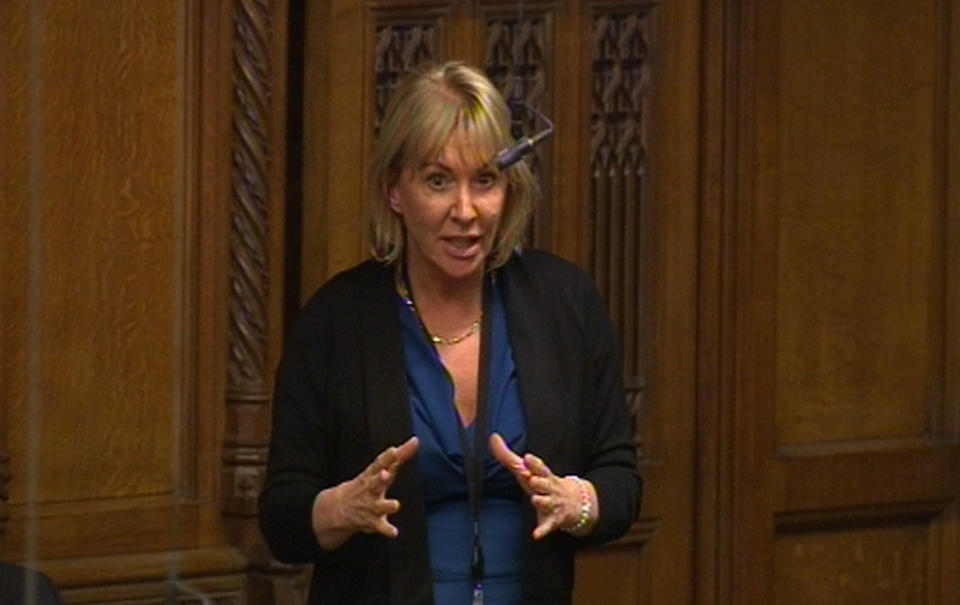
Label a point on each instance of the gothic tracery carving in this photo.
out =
(399, 48)
(515, 61)
(618, 161)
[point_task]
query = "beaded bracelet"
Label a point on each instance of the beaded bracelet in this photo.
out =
(586, 507)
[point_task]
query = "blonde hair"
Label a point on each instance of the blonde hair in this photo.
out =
(425, 110)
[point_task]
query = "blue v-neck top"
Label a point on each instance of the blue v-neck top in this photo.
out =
(440, 462)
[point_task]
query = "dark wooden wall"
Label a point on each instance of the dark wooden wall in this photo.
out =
(143, 169)
(766, 193)
(830, 224)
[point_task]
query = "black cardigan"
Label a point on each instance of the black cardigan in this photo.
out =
(341, 398)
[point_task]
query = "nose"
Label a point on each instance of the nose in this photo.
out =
(464, 209)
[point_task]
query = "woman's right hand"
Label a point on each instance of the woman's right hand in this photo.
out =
(361, 504)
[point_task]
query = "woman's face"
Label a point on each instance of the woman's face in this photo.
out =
(451, 208)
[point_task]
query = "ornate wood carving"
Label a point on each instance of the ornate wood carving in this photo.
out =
(516, 58)
(247, 380)
(400, 46)
(257, 78)
(618, 163)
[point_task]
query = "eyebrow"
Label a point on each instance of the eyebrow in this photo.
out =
(431, 163)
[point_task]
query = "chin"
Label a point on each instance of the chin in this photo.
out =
(458, 269)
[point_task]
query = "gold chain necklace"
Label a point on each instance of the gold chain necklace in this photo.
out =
(404, 293)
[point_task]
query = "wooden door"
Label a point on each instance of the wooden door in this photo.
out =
(830, 350)
(112, 326)
(619, 79)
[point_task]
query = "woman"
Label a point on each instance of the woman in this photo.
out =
(451, 342)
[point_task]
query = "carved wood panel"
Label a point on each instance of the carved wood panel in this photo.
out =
(248, 374)
(518, 43)
(880, 565)
(257, 205)
(400, 46)
(619, 149)
(115, 355)
(838, 475)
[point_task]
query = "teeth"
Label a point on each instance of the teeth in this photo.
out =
(461, 242)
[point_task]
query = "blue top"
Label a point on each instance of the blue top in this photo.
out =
(440, 461)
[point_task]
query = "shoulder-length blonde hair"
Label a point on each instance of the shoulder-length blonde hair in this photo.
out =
(425, 110)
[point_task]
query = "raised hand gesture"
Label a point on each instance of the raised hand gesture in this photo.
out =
(361, 504)
(567, 503)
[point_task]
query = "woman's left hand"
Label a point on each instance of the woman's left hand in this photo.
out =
(557, 500)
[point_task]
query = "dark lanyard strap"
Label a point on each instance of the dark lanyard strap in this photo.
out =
(475, 456)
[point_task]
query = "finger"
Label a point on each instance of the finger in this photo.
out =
(386, 479)
(545, 528)
(537, 466)
(386, 528)
(544, 485)
(505, 456)
(546, 504)
(384, 459)
(387, 506)
(394, 456)
(406, 450)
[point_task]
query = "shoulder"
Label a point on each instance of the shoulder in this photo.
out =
(344, 288)
(341, 299)
(538, 285)
(545, 274)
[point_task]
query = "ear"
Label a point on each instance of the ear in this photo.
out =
(392, 200)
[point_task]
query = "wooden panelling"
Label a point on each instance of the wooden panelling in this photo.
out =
(816, 478)
(226, 589)
(99, 312)
(101, 336)
(767, 193)
(257, 202)
(860, 251)
(355, 53)
(828, 337)
(884, 565)
(86, 572)
(519, 57)
(113, 323)
(614, 576)
(623, 45)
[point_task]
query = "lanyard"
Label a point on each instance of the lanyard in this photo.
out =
(474, 456)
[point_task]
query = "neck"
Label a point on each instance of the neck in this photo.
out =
(432, 291)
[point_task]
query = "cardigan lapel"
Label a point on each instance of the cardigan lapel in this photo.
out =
(384, 378)
(530, 326)
(388, 416)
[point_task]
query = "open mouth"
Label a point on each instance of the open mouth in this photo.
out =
(462, 247)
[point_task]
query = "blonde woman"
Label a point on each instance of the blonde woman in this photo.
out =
(449, 418)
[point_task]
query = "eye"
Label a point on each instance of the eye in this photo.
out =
(487, 179)
(437, 180)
